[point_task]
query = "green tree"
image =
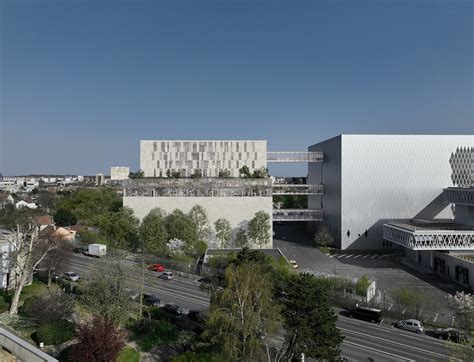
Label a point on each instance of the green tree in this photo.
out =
(243, 313)
(46, 199)
(104, 293)
(260, 173)
(223, 231)
(180, 226)
(224, 173)
(362, 285)
(244, 172)
(138, 174)
(199, 217)
(120, 229)
(292, 201)
(259, 228)
(64, 217)
(309, 320)
(412, 300)
(323, 237)
(241, 238)
(153, 232)
(197, 174)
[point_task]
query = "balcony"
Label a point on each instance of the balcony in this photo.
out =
(295, 157)
(297, 214)
(297, 189)
(459, 195)
(429, 236)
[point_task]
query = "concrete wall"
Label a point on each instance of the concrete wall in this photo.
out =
(451, 261)
(238, 210)
(22, 349)
(384, 177)
(464, 215)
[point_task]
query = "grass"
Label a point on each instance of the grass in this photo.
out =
(129, 354)
(150, 334)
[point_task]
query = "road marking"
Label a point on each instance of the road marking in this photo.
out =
(390, 306)
(355, 257)
(392, 342)
(331, 256)
(452, 322)
(435, 317)
(348, 256)
(339, 255)
(365, 256)
(379, 351)
(373, 256)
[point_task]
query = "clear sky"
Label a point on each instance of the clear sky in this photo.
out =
(83, 81)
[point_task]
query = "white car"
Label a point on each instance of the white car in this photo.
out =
(293, 264)
(73, 277)
(167, 275)
(412, 325)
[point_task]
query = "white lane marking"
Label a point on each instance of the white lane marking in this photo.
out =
(392, 342)
(339, 255)
(435, 317)
(355, 257)
(348, 256)
(373, 256)
(331, 256)
(365, 256)
(378, 351)
(390, 306)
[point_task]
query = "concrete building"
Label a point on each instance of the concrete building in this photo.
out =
(99, 179)
(163, 158)
(119, 173)
(371, 179)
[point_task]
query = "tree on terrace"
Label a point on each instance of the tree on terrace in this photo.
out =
(223, 231)
(259, 228)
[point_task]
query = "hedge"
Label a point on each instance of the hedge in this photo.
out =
(55, 333)
(129, 354)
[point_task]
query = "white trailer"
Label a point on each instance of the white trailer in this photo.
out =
(97, 250)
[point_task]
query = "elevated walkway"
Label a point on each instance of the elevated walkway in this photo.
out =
(297, 189)
(459, 195)
(297, 214)
(295, 156)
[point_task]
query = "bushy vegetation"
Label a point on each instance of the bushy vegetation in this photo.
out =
(151, 333)
(4, 302)
(128, 354)
(55, 333)
(197, 357)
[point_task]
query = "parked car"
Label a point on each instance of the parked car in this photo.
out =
(451, 334)
(151, 300)
(205, 280)
(173, 309)
(73, 277)
(365, 313)
(196, 316)
(167, 275)
(293, 264)
(79, 250)
(156, 267)
(412, 325)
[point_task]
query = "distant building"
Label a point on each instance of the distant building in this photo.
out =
(119, 173)
(6, 199)
(99, 179)
(26, 203)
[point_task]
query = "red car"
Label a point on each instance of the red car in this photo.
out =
(156, 267)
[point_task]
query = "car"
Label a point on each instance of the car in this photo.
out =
(132, 293)
(173, 309)
(451, 334)
(205, 280)
(167, 275)
(293, 264)
(372, 315)
(156, 267)
(79, 250)
(151, 300)
(412, 325)
(71, 276)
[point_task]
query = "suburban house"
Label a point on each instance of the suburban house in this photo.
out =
(26, 203)
(6, 199)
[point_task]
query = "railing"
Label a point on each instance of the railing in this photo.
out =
(297, 214)
(296, 189)
(295, 156)
(459, 195)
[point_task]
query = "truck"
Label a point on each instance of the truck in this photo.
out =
(97, 250)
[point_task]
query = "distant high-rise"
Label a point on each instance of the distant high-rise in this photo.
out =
(119, 172)
(99, 179)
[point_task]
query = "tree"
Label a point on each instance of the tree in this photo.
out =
(64, 217)
(259, 228)
(46, 199)
(260, 173)
(120, 229)
(362, 285)
(28, 251)
(138, 174)
(309, 320)
(49, 309)
(223, 231)
(241, 239)
(199, 217)
(153, 232)
(104, 291)
(413, 300)
(244, 172)
(99, 341)
(181, 227)
(323, 237)
(197, 174)
(463, 305)
(243, 313)
(224, 173)
(56, 260)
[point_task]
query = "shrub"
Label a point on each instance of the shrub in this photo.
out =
(55, 333)
(197, 357)
(149, 334)
(362, 285)
(129, 354)
(48, 309)
(4, 303)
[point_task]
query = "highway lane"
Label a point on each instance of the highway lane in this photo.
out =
(182, 291)
(363, 341)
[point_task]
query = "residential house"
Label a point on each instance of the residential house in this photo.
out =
(6, 199)
(27, 202)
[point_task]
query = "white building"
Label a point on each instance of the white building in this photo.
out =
(162, 158)
(99, 179)
(26, 204)
(371, 179)
(119, 173)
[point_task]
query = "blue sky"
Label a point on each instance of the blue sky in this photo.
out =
(83, 81)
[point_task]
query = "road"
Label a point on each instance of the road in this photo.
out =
(363, 341)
